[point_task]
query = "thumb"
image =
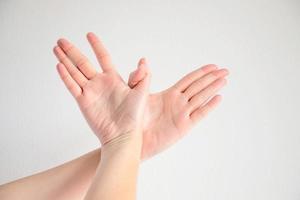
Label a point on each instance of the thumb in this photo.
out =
(138, 74)
(142, 76)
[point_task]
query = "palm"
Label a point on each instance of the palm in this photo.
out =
(110, 106)
(165, 122)
(169, 114)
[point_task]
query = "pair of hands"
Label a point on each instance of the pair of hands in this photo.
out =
(115, 110)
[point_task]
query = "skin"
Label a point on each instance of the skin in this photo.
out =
(70, 180)
(116, 174)
(114, 111)
(168, 115)
(108, 104)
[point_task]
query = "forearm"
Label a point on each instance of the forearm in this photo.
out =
(116, 175)
(67, 181)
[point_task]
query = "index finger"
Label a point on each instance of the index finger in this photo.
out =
(102, 54)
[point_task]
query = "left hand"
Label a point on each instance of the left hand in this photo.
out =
(171, 113)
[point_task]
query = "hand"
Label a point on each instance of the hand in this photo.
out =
(171, 113)
(112, 109)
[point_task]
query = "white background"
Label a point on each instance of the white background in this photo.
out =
(248, 148)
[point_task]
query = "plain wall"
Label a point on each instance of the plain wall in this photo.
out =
(248, 148)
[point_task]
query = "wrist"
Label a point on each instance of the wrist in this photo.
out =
(129, 143)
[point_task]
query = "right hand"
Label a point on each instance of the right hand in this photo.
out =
(171, 113)
(113, 110)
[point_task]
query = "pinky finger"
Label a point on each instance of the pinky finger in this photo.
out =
(69, 82)
(202, 111)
